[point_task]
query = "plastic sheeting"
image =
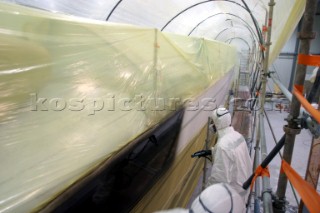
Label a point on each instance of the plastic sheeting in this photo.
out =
(223, 20)
(75, 91)
(171, 191)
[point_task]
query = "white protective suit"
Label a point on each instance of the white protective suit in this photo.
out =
(231, 160)
(217, 198)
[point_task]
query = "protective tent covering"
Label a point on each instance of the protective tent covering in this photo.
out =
(75, 91)
(223, 20)
(73, 88)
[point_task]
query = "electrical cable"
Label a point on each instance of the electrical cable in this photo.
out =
(253, 131)
(254, 79)
(254, 22)
(256, 96)
(245, 7)
(239, 38)
(113, 9)
(211, 16)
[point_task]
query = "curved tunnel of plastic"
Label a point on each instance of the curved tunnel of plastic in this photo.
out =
(70, 73)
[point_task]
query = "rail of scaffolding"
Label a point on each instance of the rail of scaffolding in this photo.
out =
(298, 119)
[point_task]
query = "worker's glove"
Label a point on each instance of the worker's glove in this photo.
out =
(201, 153)
(213, 128)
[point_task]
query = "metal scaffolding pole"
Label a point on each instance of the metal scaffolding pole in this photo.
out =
(295, 57)
(256, 163)
(266, 191)
(292, 129)
(283, 89)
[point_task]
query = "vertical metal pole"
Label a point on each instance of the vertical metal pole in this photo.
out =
(256, 163)
(238, 81)
(292, 129)
(295, 57)
(205, 159)
(247, 68)
(264, 72)
(266, 191)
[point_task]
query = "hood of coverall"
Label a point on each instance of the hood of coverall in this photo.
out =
(219, 197)
(221, 118)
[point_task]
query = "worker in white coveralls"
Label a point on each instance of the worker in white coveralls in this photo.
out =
(231, 160)
(231, 167)
(217, 198)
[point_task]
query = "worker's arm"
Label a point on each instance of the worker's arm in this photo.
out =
(222, 166)
(201, 153)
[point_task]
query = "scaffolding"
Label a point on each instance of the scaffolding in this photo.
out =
(291, 130)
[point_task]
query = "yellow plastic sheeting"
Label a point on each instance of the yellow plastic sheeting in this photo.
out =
(74, 91)
(225, 21)
(286, 17)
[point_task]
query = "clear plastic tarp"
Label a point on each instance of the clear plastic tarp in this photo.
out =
(78, 82)
(212, 19)
(74, 91)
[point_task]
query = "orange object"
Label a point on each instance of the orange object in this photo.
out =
(313, 112)
(308, 194)
(270, 22)
(311, 60)
(262, 48)
(299, 88)
(264, 28)
(260, 171)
